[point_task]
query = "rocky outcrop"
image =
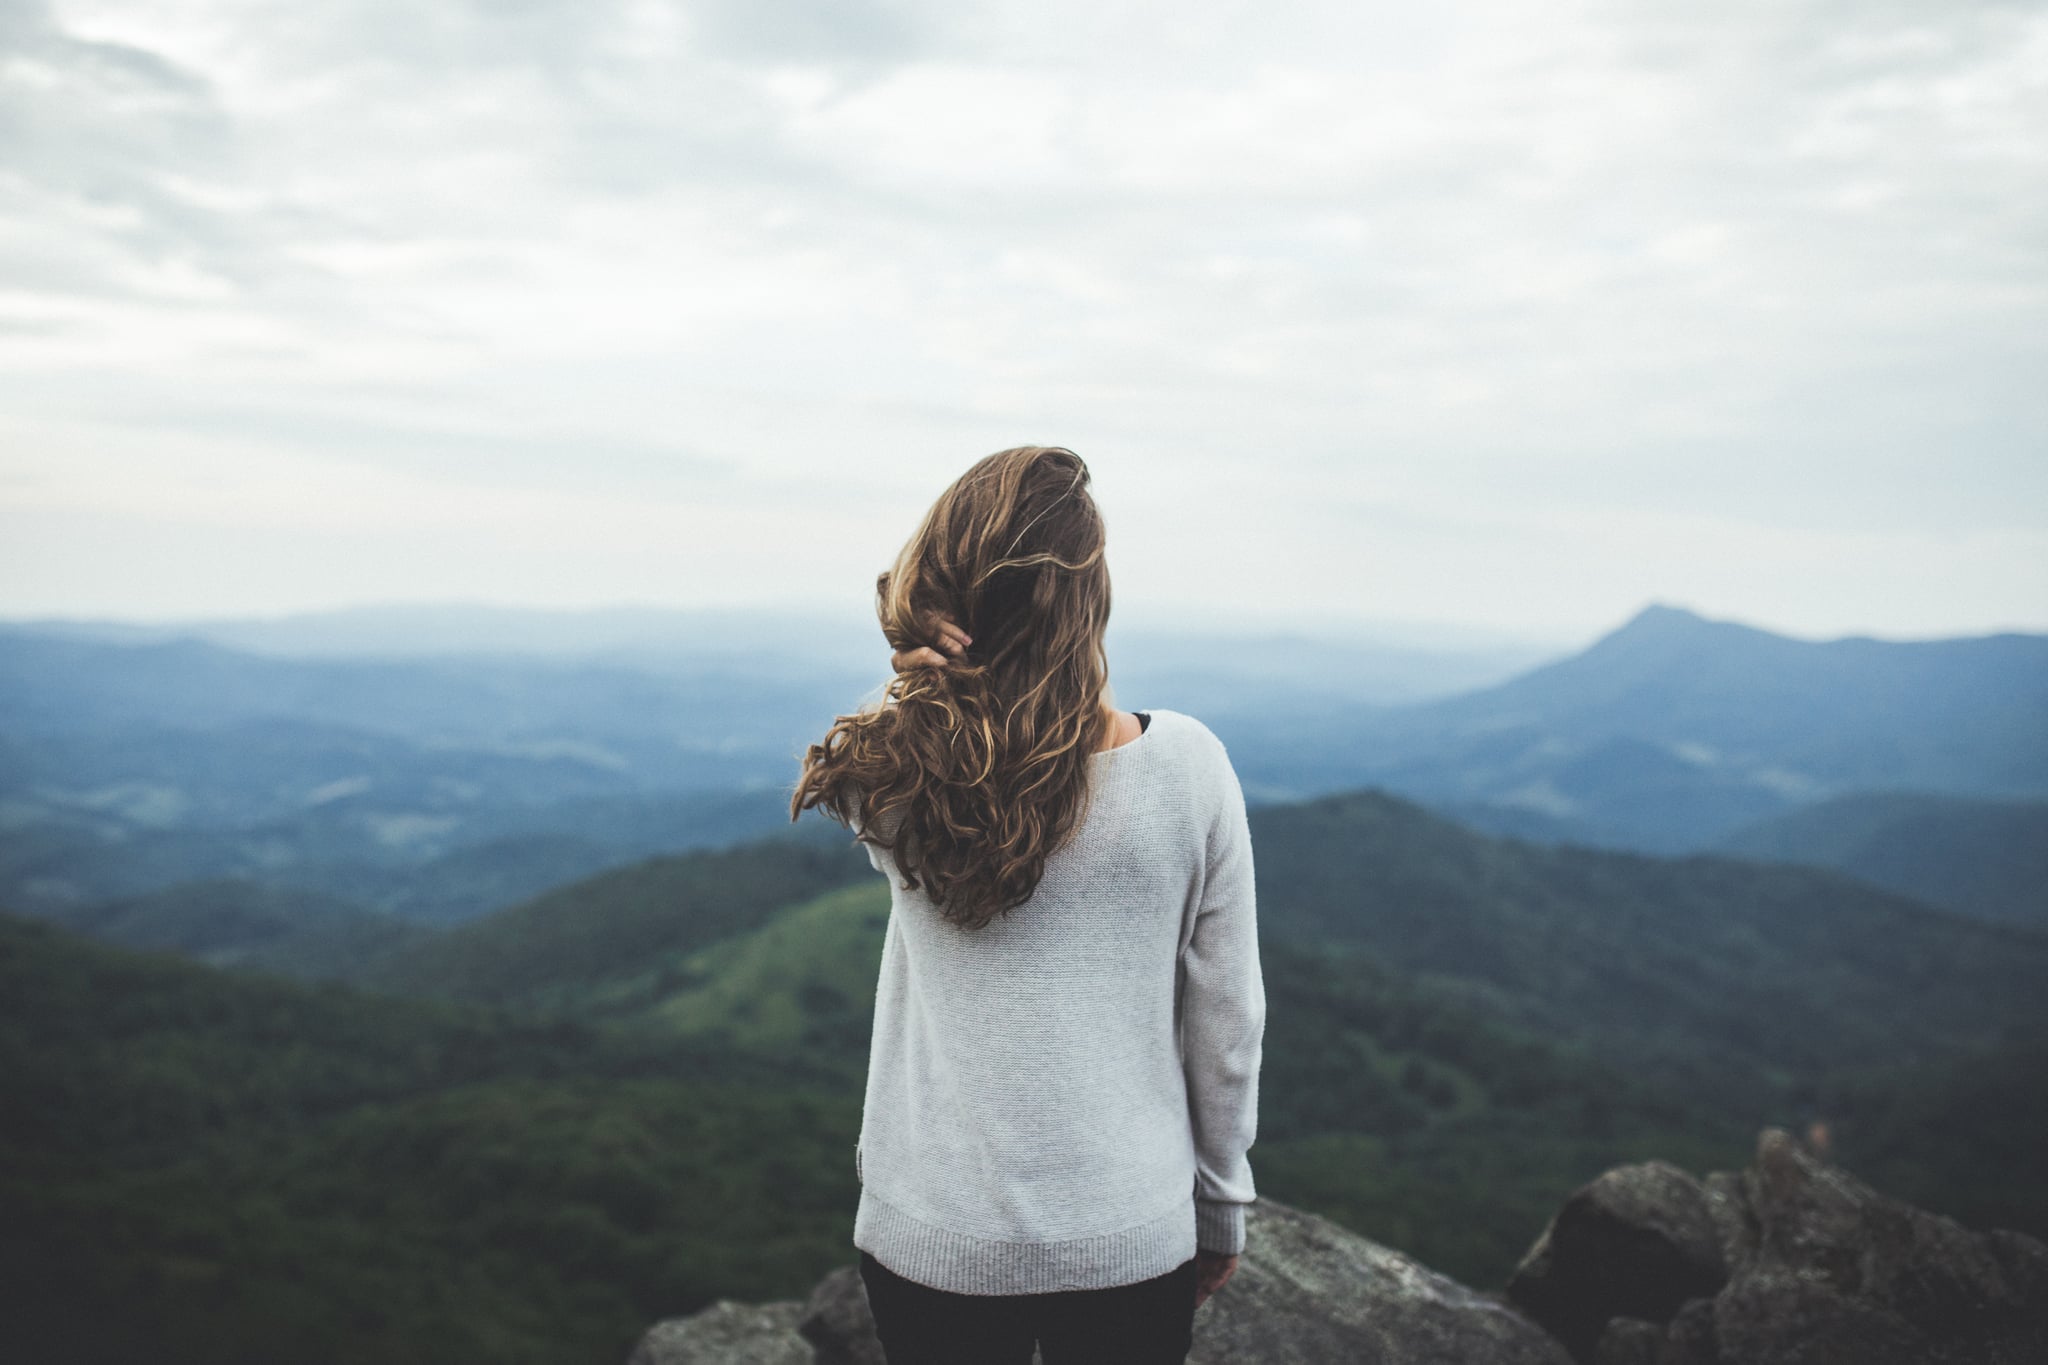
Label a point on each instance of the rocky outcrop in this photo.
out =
(1791, 1261)
(1307, 1292)
(1310, 1291)
(1634, 1244)
(729, 1333)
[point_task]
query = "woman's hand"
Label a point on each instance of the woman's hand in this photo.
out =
(1212, 1268)
(951, 638)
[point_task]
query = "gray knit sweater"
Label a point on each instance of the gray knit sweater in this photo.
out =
(1064, 1098)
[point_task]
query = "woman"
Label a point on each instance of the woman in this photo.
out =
(1063, 1083)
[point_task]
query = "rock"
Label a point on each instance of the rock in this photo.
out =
(837, 1323)
(1309, 1292)
(2024, 1260)
(1306, 1292)
(1629, 1341)
(728, 1333)
(1689, 1339)
(1636, 1242)
(1817, 1267)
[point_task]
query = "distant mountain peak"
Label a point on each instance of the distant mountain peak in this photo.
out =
(1662, 616)
(1661, 627)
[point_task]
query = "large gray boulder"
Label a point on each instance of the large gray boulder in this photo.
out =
(728, 1333)
(1634, 1243)
(1791, 1261)
(1306, 1292)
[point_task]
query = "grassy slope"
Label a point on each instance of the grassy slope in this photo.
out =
(198, 1165)
(550, 951)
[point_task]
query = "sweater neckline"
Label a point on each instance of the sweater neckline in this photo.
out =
(1143, 734)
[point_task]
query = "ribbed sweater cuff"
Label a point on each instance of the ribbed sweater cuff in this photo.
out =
(1219, 1227)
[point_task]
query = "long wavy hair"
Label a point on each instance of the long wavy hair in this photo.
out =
(972, 774)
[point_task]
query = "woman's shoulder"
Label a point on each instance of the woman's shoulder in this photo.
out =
(1180, 720)
(1187, 733)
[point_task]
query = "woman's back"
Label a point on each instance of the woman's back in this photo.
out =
(1063, 1097)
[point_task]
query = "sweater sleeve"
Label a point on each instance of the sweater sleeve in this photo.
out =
(1223, 1027)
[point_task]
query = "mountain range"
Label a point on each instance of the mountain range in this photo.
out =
(439, 783)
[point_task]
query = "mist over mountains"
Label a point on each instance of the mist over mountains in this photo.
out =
(388, 756)
(438, 763)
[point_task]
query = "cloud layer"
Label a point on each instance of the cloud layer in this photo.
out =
(1493, 313)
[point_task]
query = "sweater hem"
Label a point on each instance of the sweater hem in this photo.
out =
(963, 1264)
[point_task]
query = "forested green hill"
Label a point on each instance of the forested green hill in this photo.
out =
(1725, 974)
(206, 1166)
(639, 1093)
(1988, 859)
(579, 941)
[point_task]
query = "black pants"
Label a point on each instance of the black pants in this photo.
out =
(1147, 1323)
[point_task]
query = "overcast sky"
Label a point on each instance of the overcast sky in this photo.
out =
(1513, 314)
